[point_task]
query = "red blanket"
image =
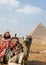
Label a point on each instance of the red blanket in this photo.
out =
(3, 46)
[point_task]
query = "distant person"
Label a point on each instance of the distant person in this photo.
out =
(6, 39)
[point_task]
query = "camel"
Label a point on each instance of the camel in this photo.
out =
(26, 49)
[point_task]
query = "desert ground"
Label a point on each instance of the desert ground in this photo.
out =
(36, 57)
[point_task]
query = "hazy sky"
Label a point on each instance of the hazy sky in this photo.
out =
(21, 16)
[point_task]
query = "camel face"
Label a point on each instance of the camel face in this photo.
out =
(28, 39)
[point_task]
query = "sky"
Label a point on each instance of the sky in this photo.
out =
(21, 16)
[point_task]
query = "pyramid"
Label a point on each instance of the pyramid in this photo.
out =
(39, 33)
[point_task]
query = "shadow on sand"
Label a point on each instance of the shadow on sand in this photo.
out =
(35, 62)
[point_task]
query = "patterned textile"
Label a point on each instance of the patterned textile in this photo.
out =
(3, 46)
(8, 48)
(12, 51)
